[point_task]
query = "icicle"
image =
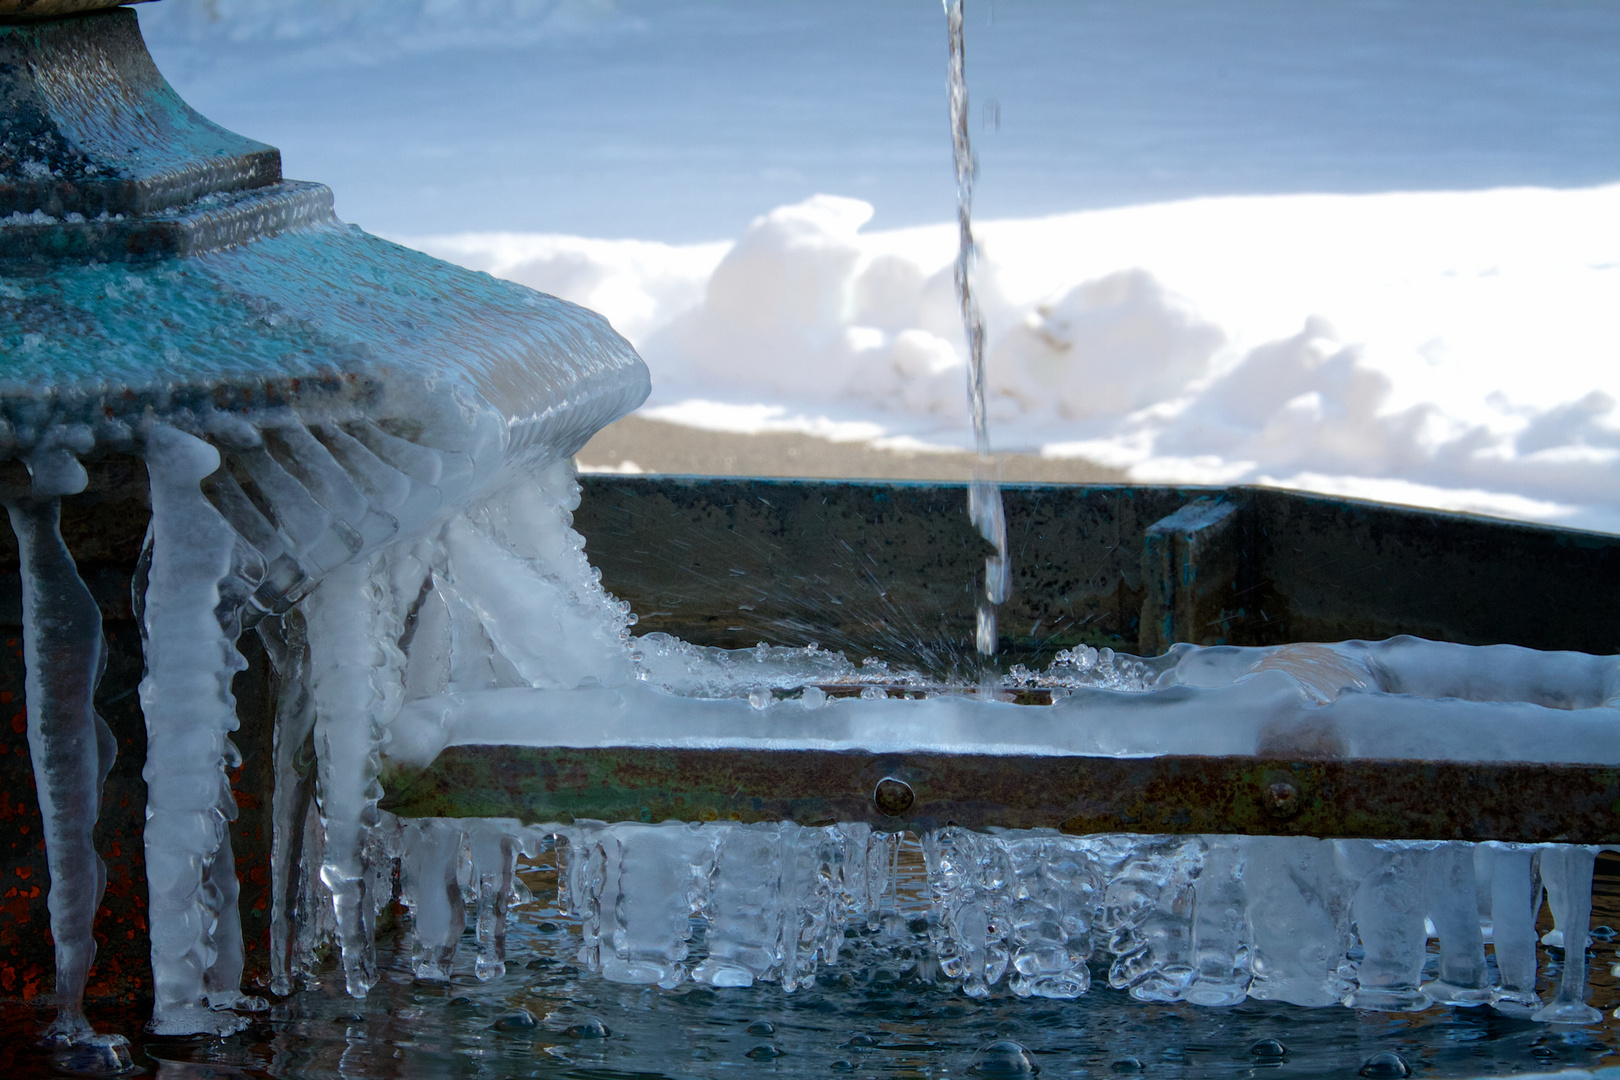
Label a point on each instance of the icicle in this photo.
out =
(744, 906)
(581, 880)
(492, 877)
(1298, 910)
(1515, 897)
(1148, 908)
(654, 871)
(434, 851)
(186, 698)
(1388, 912)
(356, 679)
(854, 881)
(815, 929)
(1453, 907)
(70, 746)
(881, 879)
(1571, 901)
(1219, 951)
(288, 649)
(1052, 894)
(314, 921)
(967, 876)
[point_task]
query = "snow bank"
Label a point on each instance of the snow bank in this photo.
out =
(1449, 349)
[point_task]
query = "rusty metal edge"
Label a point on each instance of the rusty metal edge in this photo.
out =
(1372, 799)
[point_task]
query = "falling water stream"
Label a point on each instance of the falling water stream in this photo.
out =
(984, 493)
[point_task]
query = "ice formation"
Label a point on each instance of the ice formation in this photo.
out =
(1208, 920)
(1398, 699)
(72, 744)
(482, 622)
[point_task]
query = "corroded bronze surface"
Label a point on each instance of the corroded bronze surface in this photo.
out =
(1394, 800)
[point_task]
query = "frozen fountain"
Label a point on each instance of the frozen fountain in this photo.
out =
(363, 456)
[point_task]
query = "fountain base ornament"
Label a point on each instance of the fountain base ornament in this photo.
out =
(311, 404)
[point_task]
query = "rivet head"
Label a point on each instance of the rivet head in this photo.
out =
(893, 797)
(1282, 799)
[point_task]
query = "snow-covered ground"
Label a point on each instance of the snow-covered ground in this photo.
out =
(1369, 248)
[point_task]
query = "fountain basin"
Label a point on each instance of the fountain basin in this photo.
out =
(911, 551)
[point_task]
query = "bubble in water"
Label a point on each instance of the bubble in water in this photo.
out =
(1127, 1065)
(761, 1027)
(861, 1041)
(521, 1020)
(764, 1052)
(843, 1066)
(1386, 1065)
(590, 1028)
(1269, 1050)
(1003, 1058)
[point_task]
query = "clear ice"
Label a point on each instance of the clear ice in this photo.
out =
(71, 746)
(186, 697)
(1207, 920)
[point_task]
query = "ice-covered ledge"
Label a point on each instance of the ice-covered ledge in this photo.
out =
(1402, 739)
(1402, 699)
(315, 407)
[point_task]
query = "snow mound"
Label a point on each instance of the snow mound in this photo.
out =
(1449, 349)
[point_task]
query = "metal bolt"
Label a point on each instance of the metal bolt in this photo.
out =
(1282, 799)
(893, 797)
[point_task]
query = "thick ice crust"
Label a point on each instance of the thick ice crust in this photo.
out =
(1399, 699)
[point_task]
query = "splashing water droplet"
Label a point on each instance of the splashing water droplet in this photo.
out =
(1385, 1065)
(588, 1029)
